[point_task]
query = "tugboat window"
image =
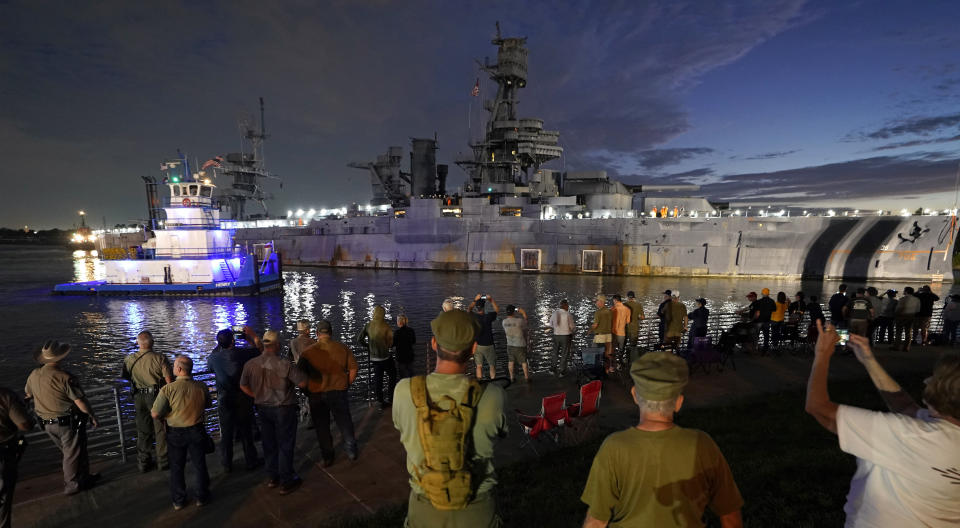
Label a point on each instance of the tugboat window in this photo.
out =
(193, 190)
(206, 192)
(176, 190)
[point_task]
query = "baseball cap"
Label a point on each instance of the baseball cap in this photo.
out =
(765, 291)
(270, 337)
(455, 330)
(324, 326)
(659, 376)
(668, 292)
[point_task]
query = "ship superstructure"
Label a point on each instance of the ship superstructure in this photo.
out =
(188, 253)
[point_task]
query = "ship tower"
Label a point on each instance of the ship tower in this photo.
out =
(509, 157)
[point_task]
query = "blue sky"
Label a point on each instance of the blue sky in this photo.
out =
(767, 101)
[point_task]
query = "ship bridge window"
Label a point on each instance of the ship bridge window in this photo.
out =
(176, 190)
(193, 190)
(206, 191)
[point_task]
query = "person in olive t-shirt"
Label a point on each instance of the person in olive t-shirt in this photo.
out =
(602, 329)
(658, 473)
(454, 342)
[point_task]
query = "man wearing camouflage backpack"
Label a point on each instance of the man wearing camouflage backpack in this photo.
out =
(448, 425)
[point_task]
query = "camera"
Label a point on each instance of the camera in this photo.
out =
(844, 336)
(237, 331)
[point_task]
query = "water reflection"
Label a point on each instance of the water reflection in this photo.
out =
(87, 267)
(103, 329)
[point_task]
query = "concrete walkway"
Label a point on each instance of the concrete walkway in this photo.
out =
(126, 498)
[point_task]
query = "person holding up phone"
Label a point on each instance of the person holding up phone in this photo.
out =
(907, 458)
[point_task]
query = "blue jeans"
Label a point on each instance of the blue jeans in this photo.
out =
(182, 441)
(561, 351)
(322, 404)
(278, 432)
(236, 422)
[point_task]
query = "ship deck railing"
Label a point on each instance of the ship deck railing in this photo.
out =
(186, 253)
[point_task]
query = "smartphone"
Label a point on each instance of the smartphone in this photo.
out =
(844, 336)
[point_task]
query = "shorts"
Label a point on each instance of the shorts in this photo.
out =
(602, 339)
(485, 353)
(517, 354)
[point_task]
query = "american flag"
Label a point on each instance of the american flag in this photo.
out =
(214, 162)
(476, 89)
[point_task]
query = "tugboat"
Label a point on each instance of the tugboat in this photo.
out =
(187, 253)
(83, 238)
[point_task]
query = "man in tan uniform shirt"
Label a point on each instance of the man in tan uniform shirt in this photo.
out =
(147, 371)
(63, 409)
(182, 404)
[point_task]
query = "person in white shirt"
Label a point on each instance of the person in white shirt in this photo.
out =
(562, 325)
(908, 461)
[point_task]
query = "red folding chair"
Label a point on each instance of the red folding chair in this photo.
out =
(582, 416)
(553, 414)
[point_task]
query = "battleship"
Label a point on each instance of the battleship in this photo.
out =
(514, 214)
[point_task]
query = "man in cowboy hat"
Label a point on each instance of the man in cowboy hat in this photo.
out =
(147, 372)
(63, 410)
(658, 473)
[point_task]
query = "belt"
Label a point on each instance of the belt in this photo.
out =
(59, 420)
(198, 424)
(148, 390)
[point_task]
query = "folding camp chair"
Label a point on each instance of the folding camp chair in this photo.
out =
(553, 414)
(591, 365)
(582, 416)
(703, 354)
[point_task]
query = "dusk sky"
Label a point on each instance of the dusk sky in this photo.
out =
(769, 101)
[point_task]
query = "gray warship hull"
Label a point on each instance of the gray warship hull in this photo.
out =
(915, 248)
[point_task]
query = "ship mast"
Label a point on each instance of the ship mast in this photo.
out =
(512, 147)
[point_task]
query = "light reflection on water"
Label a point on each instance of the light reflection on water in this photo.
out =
(102, 330)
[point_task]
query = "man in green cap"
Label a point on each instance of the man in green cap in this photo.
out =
(658, 473)
(448, 425)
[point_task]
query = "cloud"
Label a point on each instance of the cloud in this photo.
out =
(914, 125)
(916, 143)
(881, 177)
(343, 81)
(769, 155)
(690, 174)
(658, 158)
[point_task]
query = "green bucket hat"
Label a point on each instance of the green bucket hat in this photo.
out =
(455, 330)
(659, 376)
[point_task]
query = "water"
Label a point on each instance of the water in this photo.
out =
(103, 329)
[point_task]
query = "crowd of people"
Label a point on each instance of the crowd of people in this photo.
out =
(449, 422)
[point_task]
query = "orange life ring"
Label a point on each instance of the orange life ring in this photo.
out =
(186, 202)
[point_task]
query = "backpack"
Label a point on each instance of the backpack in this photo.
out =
(860, 309)
(445, 475)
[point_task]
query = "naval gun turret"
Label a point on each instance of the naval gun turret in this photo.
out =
(513, 148)
(393, 186)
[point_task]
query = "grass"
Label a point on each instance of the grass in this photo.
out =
(790, 470)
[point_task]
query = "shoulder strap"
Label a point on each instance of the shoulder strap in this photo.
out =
(418, 391)
(474, 392)
(135, 361)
